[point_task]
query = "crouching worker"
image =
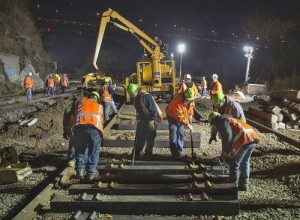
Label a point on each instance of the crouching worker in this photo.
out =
(180, 114)
(148, 115)
(238, 142)
(88, 134)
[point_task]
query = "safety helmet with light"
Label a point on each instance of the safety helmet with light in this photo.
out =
(218, 97)
(132, 88)
(189, 94)
(213, 116)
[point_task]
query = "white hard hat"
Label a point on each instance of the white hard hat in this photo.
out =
(30, 73)
(215, 76)
(188, 76)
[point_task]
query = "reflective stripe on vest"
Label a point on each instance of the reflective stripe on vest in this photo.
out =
(159, 117)
(243, 134)
(106, 96)
(88, 111)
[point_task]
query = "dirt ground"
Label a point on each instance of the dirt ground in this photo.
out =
(273, 194)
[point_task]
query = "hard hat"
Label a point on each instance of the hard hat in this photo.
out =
(215, 76)
(187, 76)
(213, 116)
(95, 94)
(218, 97)
(132, 88)
(30, 74)
(189, 94)
(106, 80)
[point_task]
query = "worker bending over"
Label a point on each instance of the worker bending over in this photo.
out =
(87, 125)
(238, 142)
(216, 85)
(27, 85)
(148, 115)
(180, 113)
(224, 105)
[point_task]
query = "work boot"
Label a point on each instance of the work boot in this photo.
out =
(92, 176)
(80, 174)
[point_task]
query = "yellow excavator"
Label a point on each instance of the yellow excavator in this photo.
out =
(155, 75)
(92, 79)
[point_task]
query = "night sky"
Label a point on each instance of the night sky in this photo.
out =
(211, 29)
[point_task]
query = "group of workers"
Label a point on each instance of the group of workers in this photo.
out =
(51, 82)
(84, 120)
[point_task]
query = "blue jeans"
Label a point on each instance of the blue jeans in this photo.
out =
(28, 95)
(113, 106)
(176, 138)
(51, 91)
(87, 138)
(106, 106)
(145, 131)
(239, 166)
(71, 150)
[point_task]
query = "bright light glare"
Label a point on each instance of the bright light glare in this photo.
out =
(181, 48)
(248, 49)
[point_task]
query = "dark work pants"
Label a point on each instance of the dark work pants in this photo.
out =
(145, 132)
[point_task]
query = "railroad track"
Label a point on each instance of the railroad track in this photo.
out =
(157, 186)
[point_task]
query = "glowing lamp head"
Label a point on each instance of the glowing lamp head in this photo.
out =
(181, 48)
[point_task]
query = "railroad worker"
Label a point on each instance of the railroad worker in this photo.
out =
(111, 90)
(238, 142)
(179, 114)
(203, 86)
(224, 105)
(188, 83)
(106, 98)
(148, 115)
(216, 85)
(27, 85)
(64, 83)
(88, 134)
(50, 83)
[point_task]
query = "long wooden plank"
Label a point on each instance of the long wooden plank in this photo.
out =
(147, 205)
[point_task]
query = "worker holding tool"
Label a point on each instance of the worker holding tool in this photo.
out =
(27, 85)
(224, 105)
(87, 124)
(106, 98)
(238, 142)
(148, 116)
(64, 83)
(216, 85)
(180, 113)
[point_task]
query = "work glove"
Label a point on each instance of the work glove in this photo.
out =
(66, 134)
(212, 138)
(190, 127)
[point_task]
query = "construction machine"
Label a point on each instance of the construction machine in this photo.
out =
(92, 79)
(155, 74)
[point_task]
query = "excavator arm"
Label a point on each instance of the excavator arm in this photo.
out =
(150, 45)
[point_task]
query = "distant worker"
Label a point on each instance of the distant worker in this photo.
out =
(50, 83)
(216, 85)
(226, 106)
(180, 113)
(148, 115)
(106, 98)
(238, 142)
(27, 85)
(87, 125)
(203, 86)
(111, 90)
(64, 83)
(188, 83)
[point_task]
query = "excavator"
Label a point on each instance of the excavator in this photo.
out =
(155, 75)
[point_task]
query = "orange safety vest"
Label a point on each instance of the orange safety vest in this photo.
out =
(242, 134)
(28, 82)
(88, 111)
(203, 84)
(106, 96)
(178, 111)
(216, 86)
(50, 82)
(64, 81)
